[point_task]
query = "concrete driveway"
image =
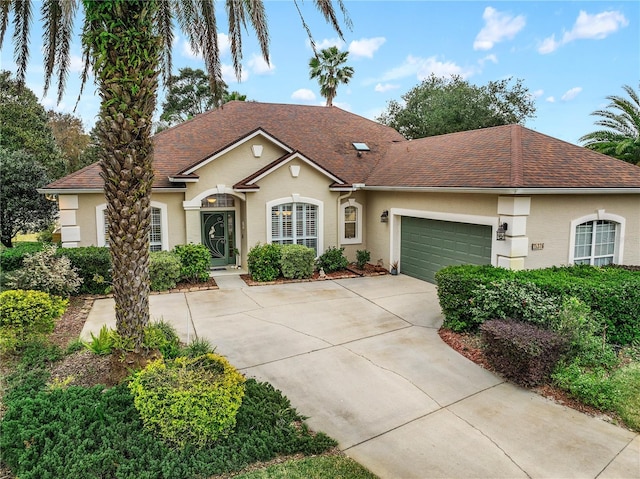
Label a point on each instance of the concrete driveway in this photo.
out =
(363, 360)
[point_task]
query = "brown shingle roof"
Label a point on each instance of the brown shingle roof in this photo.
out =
(323, 134)
(500, 157)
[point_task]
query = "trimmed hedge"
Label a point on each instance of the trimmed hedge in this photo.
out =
(11, 258)
(93, 265)
(522, 352)
(612, 294)
(164, 270)
(195, 260)
(297, 261)
(264, 261)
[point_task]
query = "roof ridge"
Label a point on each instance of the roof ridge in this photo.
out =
(517, 162)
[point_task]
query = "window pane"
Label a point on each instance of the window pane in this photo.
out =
(218, 201)
(350, 213)
(595, 243)
(584, 232)
(350, 230)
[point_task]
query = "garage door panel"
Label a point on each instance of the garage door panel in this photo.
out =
(427, 245)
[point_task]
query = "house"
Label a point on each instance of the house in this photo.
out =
(253, 173)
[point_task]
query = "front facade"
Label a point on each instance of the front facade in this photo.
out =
(254, 173)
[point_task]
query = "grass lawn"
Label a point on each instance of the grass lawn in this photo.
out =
(323, 467)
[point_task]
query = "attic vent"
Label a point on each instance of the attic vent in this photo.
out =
(360, 146)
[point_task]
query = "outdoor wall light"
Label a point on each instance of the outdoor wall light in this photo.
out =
(502, 228)
(384, 217)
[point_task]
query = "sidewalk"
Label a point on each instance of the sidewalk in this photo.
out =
(362, 358)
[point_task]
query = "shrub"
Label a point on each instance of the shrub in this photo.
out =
(512, 299)
(164, 270)
(591, 386)
(332, 259)
(11, 258)
(523, 352)
(264, 261)
(162, 335)
(198, 347)
(102, 344)
(362, 258)
(93, 265)
(195, 260)
(27, 316)
(297, 261)
(456, 287)
(188, 401)
(44, 271)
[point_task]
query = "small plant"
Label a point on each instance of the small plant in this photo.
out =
(188, 400)
(44, 271)
(162, 335)
(102, 344)
(27, 316)
(198, 347)
(297, 261)
(332, 259)
(195, 260)
(264, 261)
(362, 258)
(164, 270)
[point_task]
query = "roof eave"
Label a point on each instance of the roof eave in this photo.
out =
(508, 190)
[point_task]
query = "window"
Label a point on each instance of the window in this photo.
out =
(295, 223)
(351, 222)
(157, 235)
(218, 200)
(595, 243)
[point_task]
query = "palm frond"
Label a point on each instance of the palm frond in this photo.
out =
(258, 19)
(235, 14)
(21, 24)
(5, 9)
(165, 30)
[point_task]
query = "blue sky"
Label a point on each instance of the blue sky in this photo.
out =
(570, 55)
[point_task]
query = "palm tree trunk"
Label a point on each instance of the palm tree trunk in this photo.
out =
(125, 49)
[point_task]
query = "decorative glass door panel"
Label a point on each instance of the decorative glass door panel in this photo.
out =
(218, 236)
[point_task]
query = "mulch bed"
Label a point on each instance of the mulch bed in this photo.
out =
(352, 271)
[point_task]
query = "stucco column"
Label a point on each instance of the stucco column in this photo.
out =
(514, 210)
(192, 225)
(69, 228)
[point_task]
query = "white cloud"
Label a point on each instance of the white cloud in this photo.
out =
(259, 66)
(498, 27)
(366, 47)
(571, 94)
(595, 27)
(303, 94)
(550, 99)
(489, 58)
(223, 46)
(229, 74)
(188, 52)
(538, 93)
(341, 105)
(381, 88)
(326, 43)
(76, 64)
(422, 68)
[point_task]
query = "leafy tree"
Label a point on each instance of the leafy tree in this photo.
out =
(127, 43)
(22, 208)
(189, 95)
(25, 125)
(441, 105)
(70, 137)
(325, 66)
(621, 139)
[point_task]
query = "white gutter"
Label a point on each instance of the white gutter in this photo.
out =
(75, 191)
(506, 191)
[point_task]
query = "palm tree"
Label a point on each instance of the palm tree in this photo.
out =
(127, 43)
(621, 139)
(326, 68)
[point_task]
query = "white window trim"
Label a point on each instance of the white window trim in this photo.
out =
(164, 218)
(295, 198)
(343, 207)
(600, 215)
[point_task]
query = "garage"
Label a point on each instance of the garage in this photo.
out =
(427, 245)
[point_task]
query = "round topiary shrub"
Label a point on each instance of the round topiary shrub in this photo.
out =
(188, 400)
(26, 316)
(164, 270)
(264, 262)
(297, 261)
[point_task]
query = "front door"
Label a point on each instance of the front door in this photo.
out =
(218, 236)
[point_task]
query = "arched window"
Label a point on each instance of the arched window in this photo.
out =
(351, 222)
(595, 242)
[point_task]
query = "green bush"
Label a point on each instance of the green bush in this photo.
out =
(332, 259)
(195, 260)
(11, 258)
(162, 335)
(362, 258)
(523, 352)
(90, 433)
(164, 270)
(188, 401)
(456, 288)
(197, 347)
(510, 299)
(44, 271)
(592, 386)
(27, 316)
(93, 265)
(264, 261)
(297, 261)
(102, 344)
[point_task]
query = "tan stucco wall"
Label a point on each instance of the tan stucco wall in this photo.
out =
(86, 217)
(233, 166)
(281, 184)
(550, 223)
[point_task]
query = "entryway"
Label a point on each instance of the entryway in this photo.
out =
(218, 234)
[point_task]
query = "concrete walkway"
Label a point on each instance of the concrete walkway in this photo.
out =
(363, 360)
